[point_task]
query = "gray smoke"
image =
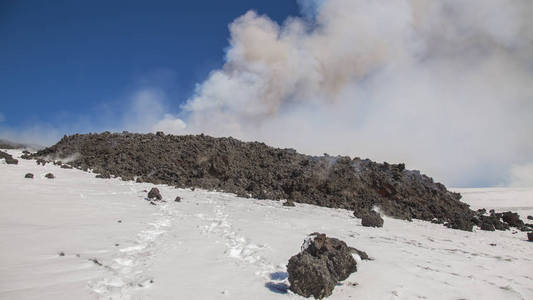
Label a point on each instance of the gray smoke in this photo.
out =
(446, 86)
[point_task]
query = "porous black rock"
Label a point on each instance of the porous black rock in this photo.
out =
(530, 236)
(512, 218)
(257, 170)
(321, 264)
(372, 219)
(487, 227)
(28, 175)
(155, 194)
(8, 158)
(50, 176)
(178, 199)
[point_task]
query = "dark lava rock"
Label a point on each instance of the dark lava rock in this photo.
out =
(513, 219)
(9, 159)
(50, 176)
(530, 217)
(66, 167)
(289, 203)
(372, 219)
(255, 169)
(28, 175)
(155, 194)
(178, 199)
(487, 227)
(321, 264)
(103, 176)
(530, 236)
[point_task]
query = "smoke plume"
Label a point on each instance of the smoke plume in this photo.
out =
(446, 86)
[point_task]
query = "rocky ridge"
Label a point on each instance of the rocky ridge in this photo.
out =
(253, 169)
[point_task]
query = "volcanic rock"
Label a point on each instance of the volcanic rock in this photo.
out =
(155, 194)
(260, 171)
(372, 219)
(513, 219)
(8, 158)
(530, 236)
(321, 264)
(50, 176)
(28, 175)
(178, 199)
(487, 227)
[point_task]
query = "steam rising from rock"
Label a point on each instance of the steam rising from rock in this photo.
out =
(446, 86)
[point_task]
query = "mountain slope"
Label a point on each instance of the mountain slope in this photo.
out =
(213, 245)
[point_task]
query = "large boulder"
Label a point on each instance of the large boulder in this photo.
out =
(8, 158)
(372, 219)
(155, 194)
(320, 265)
(512, 218)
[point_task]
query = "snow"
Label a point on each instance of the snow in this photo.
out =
(214, 245)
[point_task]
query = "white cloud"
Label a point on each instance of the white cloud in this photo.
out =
(170, 125)
(443, 85)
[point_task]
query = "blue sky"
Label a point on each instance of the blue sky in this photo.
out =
(444, 86)
(77, 62)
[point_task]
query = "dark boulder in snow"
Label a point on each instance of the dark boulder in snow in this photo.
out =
(65, 166)
(104, 175)
(8, 158)
(530, 236)
(178, 199)
(28, 175)
(321, 264)
(50, 176)
(513, 219)
(155, 194)
(372, 219)
(530, 217)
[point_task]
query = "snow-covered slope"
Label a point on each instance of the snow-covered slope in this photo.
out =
(217, 246)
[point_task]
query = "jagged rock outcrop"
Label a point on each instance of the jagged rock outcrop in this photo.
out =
(257, 170)
(372, 219)
(154, 194)
(321, 264)
(8, 158)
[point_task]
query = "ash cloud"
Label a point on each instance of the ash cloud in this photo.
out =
(445, 86)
